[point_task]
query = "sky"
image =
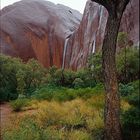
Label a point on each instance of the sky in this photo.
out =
(74, 4)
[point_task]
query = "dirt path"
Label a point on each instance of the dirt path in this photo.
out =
(5, 114)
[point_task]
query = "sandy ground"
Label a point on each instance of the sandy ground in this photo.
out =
(5, 114)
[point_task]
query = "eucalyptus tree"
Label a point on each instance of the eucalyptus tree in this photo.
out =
(115, 10)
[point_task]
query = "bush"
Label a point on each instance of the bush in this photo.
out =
(131, 124)
(76, 119)
(128, 65)
(127, 62)
(8, 83)
(69, 77)
(43, 94)
(19, 78)
(19, 104)
(28, 130)
(126, 90)
(73, 115)
(63, 96)
(130, 118)
(66, 94)
(79, 135)
(95, 67)
(78, 83)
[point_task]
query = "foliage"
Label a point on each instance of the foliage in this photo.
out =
(79, 135)
(87, 76)
(27, 130)
(75, 119)
(34, 76)
(59, 77)
(122, 39)
(25, 78)
(130, 118)
(19, 78)
(18, 104)
(126, 90)
(8, 83)
(95, 66)
(78, 83)
(65, 94)
(128, 65)
(68, 114)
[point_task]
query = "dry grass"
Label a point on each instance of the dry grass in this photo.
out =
(72, 120)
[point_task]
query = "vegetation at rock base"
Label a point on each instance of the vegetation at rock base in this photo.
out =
(78, 118)
(67, 104)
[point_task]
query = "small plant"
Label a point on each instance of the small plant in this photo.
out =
(79, 135)
(130, 117)
(19, 104)
(78, 83)
(126, 90)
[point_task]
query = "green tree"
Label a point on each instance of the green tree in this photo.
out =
(122, 39)
(35, 73)
(8, 83)
(20, 76)
(95, 67)
(128, 65)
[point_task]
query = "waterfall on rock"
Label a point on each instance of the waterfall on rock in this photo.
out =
(64, 52)
(101, 8)
(94, 43)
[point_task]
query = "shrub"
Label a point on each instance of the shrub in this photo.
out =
(128, 65)
(130, 117)
(8, 84)
(79, 135)
(126, 90)
(54, 76)
(78, 83)
(63, 96)
(69, 77)
(95, 67)
(18, 77)
(28, 130)
(43, 94)
(131, 124)
(75, 119)
(19, 104)
(6, 94)
(122, 39)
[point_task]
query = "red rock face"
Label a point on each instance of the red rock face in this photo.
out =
(89, 36)
(56, 34)
(37, 29)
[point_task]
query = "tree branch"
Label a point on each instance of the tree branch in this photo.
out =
(113, 6)
(105, 3)
(102, 2)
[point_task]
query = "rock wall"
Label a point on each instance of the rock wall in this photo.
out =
(89, 36)
(58, 35)
(37, 29)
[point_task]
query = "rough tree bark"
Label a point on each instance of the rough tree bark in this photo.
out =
(115, 10)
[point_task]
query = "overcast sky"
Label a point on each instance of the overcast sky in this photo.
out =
(75, 4)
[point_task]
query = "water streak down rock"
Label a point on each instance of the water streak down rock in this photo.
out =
(64, 52)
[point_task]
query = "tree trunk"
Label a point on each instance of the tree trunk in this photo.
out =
(112, 105)
(115, 9)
